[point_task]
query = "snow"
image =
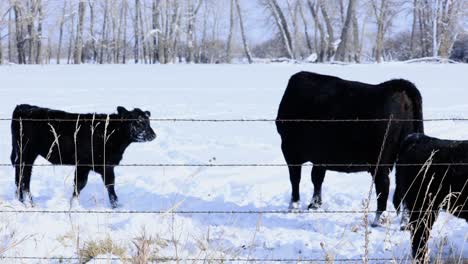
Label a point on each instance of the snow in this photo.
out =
(214, 92)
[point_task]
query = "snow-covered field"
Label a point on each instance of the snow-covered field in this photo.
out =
(217, 92)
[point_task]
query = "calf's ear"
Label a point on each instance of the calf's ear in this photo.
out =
(148, 113)
(121, 110)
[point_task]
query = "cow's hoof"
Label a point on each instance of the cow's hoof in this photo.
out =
(115, 204)
(376, 222)
(29, 200)
(74, 202)
(404, 224)
(315, 204)
(294, 206)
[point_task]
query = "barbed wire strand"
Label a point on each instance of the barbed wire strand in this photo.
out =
(231, 120)
(163, 212)
(236, 165)
(162, 259)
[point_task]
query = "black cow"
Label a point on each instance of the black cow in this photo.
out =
(91, 142)
(313, 96)
(424, 189)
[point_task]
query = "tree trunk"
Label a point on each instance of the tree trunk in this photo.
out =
(295, 34)
(104, 40)
(142, 36)
(39, 33)
(192, 14)
(136, 49)
(450, 17)
(413, 30)
(10, 37)
(331, 38)
(79, 33)
(282, 27)
(70, 41)
(231, 32)
(306, 29)
(31, 39)
(124, 44)
(156, 28)
(244, 38)
(322, 47)
(356, 42)
(91, 30)
(342, 53)
(62, 22)
(19, 34)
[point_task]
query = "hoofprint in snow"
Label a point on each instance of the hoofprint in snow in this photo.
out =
(210, 92)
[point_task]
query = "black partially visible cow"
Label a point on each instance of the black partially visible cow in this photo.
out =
(425, 189)
(354, 145)
(91, 142)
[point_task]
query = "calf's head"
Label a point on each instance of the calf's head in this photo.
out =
(139, 128)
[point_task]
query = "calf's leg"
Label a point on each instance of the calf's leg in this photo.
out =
(23, 171)
(317, 175)
(108, 178)
(421, 225)
(81, 178)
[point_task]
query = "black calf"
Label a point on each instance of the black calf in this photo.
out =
(91, 142)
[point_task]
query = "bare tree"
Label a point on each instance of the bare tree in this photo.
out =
(124, 41)
(62, 23)
(39, 32)
(282, 25)
(192, 14)
(322, 46)
(79, 32)
(343, 50)
(330, 32)
(384, 12)
(306, 27)
(244, 38)
(104, 39)
(231, 32)
(18, 10)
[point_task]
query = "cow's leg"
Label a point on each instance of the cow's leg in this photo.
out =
(382, 186)
(108, 178)
(421, 223)
(295, 178)
(318, 174)
(404, 223)
(290, 154)
(81, 178)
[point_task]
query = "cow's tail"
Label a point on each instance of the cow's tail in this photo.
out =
(416, 98)
(15, 134)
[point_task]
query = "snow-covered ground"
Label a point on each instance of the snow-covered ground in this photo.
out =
(217, 92)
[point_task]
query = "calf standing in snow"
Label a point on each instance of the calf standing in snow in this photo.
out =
(320, 97)
(438, 184)
(91, 142)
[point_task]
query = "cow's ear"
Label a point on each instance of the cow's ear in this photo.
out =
(121, 110)
(148, 113)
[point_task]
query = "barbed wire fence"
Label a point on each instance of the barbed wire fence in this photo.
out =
(364, 259)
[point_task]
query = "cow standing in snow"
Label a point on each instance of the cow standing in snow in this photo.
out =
(348, 146)
(428, 179)
(91, 142)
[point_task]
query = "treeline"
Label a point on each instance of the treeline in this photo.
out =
(216, 31)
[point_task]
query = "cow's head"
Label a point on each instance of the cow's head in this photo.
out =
(139, 124)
